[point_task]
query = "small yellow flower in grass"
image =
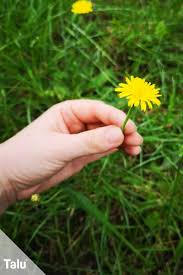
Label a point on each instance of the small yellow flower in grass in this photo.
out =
(82, 7)
(35, 198)
(138, 93)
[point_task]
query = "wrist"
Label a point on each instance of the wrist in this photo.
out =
(7, 192)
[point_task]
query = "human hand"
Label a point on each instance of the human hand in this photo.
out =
(60, 143)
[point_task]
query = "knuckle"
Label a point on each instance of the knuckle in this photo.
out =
(60, 105)
(55, 107)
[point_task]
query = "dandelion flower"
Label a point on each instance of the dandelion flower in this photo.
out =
(139, 93)
(35, 198)
(82, 7)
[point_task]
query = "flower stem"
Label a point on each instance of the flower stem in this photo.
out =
(127, 118)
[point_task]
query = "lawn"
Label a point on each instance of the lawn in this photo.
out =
(120, 215)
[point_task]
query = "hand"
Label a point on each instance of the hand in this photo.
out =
(60, 143)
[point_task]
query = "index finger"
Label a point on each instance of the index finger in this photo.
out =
(94, 111)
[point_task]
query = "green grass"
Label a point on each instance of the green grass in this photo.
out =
(120, 215)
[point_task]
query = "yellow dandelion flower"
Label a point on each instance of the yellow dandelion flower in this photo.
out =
(139, 93)
(35, 198)
(82, 7)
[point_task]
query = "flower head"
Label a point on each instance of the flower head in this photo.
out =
(139, 92)
(35, 198)
(82, 7)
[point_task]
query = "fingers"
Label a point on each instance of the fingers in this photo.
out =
(132, 144)
(73, 123)
(91, 126)
(133, 150)
(90, 142)
(133, 139)
(76, 113)
(97, 141)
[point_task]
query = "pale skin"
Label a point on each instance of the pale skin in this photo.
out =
(59, 144)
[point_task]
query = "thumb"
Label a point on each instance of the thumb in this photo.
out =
(93, 141)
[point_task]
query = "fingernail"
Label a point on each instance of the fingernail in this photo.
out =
(141, 140)
(131, 123)
(114, 135)
(130, 127)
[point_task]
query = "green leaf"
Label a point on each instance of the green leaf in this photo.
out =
(161, 30)
(83, 202)
(179, 249)
(153, 220)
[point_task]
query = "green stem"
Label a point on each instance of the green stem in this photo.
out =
(127, 118)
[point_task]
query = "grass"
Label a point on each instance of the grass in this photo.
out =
(120, 215)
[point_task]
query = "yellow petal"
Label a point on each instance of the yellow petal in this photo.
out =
(143, 106)
(127, 80)
(136, 103)
(130, 103)
(118, 89)
(149, 104)
(156, 101)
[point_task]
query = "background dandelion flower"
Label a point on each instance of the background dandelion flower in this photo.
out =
(35, 198)
(139, 93)
(82, 7)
